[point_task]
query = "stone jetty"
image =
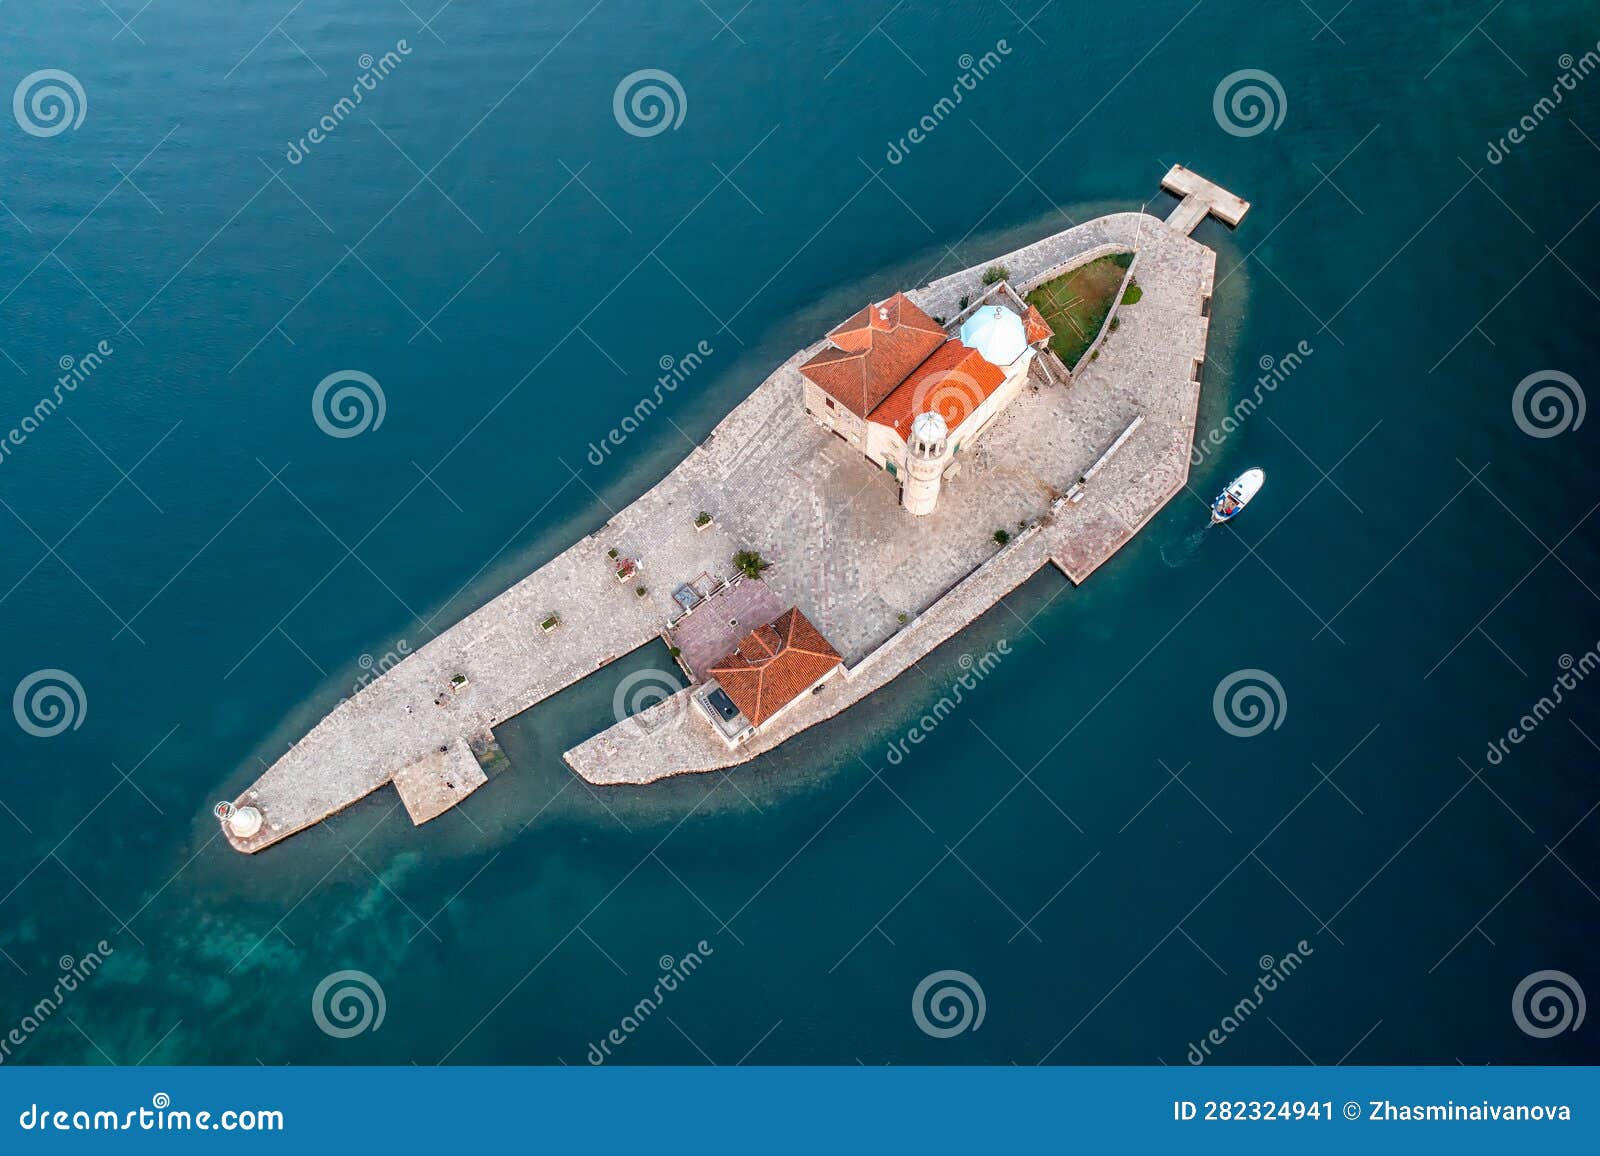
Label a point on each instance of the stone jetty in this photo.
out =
(885, 587)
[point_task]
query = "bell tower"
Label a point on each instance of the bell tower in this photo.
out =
(925, 462)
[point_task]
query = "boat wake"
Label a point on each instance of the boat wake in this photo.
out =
(1183, 552)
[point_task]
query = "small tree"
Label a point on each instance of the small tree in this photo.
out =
(1002, 537)
(994, 274)
(750, 563)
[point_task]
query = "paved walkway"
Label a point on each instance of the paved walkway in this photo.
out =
(841, 547)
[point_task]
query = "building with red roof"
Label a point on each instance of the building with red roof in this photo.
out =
(772, 668)
(908, 393)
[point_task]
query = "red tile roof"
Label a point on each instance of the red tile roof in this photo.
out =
(773, 665)
(953, 382)
(1037, 327)
(872, 352)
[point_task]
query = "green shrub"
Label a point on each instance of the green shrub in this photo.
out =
(994, 274)
(750, 563)
(1002, 537)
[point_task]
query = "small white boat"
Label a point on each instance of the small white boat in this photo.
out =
(1237, 496)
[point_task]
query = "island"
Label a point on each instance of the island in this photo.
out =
(881, 490)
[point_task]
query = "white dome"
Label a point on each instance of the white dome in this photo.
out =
(245, 822)
(929, 428)
(996, 333)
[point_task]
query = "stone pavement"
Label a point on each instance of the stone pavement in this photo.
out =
(1201, 198)
(829, 521)
(438, 780)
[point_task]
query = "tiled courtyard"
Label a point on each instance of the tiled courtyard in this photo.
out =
(717, 624)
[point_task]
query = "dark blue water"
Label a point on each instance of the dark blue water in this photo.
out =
(1082, 838)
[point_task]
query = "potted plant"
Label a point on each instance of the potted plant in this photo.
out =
(702, 520)
(550, 623)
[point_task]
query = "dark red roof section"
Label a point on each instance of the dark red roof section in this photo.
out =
(775, 664)
(873, 352)
(953, 382)
(1038, 329)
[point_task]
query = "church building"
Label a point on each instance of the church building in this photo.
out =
(910, 395)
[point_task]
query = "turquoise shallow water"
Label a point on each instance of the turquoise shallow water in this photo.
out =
(1083, 839)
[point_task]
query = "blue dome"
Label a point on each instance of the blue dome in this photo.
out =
(996, 333)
